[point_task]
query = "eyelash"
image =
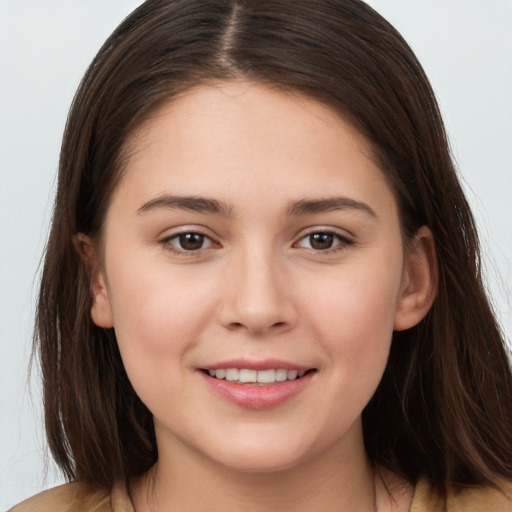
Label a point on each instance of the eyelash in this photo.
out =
(168, 245)
(343, 242)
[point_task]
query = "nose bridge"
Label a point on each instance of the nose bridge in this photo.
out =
(257, 298)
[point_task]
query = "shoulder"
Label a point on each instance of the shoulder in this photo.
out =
(462, 499)
(481, 499)
(78, 497)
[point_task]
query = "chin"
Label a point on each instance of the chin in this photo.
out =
(257, 454)
(259, 463)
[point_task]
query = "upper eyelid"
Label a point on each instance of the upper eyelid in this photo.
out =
(181, 230)
(342, 233)
(179, 233)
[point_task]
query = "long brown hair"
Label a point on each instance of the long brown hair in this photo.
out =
(444, 406)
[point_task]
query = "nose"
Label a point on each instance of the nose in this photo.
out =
(257, 296)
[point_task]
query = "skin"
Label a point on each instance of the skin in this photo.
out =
(257, 288)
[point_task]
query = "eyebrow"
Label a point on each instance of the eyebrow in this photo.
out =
(312, 206)
(189, 203)
(205, 205)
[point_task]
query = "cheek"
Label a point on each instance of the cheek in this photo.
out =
(158, 318)
(353, 320)
(356, 301)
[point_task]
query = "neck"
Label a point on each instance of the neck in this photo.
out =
(334, 480)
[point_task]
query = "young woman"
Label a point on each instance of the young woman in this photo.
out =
(262, 289)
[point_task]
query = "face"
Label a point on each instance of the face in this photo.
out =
(252, 238)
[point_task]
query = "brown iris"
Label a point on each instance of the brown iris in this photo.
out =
(321, 241)
(191, 241)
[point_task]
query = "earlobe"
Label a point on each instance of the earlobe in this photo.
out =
(419, 281)
(101, 312)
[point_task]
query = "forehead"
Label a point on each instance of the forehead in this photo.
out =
(208, 109)
(217, 138)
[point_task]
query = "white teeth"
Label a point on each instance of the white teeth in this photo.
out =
(266, 376)
(281, 375)
(232, 374)
(292, 374)
(244, 375)
(247, 375)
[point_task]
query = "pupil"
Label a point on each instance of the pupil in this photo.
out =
(191, 241)
(321, 240)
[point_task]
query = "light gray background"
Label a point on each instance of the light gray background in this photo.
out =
(45, 46)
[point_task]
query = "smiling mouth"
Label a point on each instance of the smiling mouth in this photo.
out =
(257, 377)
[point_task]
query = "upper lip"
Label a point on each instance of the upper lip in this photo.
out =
(266, 364)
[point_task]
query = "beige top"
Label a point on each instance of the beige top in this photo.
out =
(81, 497)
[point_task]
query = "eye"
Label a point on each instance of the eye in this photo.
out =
(188, 241)
(323, 241)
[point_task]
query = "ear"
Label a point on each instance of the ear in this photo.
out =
(419, 281)
(101, 312)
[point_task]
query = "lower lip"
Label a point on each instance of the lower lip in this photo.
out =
(257, 397)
